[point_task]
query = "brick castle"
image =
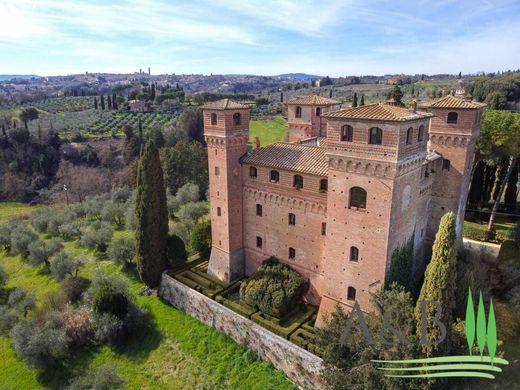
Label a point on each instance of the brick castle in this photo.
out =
(350, 186)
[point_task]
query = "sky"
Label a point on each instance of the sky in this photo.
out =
(268, 37)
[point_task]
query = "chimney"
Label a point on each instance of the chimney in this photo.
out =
(413, 106)
(256, 143)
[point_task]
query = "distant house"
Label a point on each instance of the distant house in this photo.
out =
(394, 81)
(138, 105)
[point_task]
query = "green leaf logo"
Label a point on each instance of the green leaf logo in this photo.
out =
(470, 321)
(491, 333)
(481, 326)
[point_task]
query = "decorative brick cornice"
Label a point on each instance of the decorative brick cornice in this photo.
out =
(225, 142)
(410, 165)
(284, 200)
(451, 140)
(364, 167)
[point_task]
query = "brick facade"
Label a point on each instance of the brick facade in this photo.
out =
(344, 247)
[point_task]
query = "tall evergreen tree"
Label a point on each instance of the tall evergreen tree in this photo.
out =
(281, 97)
(109, 102)
(114, 102)
(330, 93)
(102, 102)
(354, 100)
(152, 93)
(152, 217)
(397, 95)
(362, 102)
(439, 285)
(95, 103)
(512, 189)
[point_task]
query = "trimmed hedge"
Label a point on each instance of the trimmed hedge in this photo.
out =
(274, 289)
(478, 232)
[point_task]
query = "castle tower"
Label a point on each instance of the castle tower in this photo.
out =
(226, 130)
(305, 116)
(376, 199)
(453, 132)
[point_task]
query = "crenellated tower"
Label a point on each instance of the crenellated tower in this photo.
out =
(453, 133)
(226, 130)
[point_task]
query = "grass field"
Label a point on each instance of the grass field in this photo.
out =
(13, 210)
(268, 130)
(175, 351)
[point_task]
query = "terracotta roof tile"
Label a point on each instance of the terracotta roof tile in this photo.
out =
(313, 100)
(224, 104)
(455, 102)
(290, 156)
(378, 111)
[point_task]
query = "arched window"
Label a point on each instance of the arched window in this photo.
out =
(376, 136)
(213, 119)
(358, 198)
(452, 117)
(420, 135)
(324, 185)
(259, 210)
(298, 182)
(253, 172)
(351, 294)
(236, 119)
(298, 113)
(258, 241)
(318, 111)
(347, 133)
(409, 135)
(354, 253)
(274, 176)
(292, 219)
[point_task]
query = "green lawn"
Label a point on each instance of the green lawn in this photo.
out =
(174, 352)
(14, 209)
(268, 130)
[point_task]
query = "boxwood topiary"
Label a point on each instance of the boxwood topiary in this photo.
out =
(274, 288)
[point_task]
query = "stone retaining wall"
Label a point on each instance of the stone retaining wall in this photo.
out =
(299, 365)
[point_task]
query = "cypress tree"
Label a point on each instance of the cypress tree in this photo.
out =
(512, 190)
(330, 93)
(354, 100)
(477, 184)
(362, 102)
(95, 103)
(114, 103)
(439, 285)
(281, 97)
(109, 102)
(152, 217)
(102, 102)
(401, 266)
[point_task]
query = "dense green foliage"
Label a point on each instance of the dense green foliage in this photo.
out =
(152, 217)
(122, 251)
(401, 267)
(496, 88)
(347, 362)
(103, 378)
(200, 238)
(439, 285)
(177, 254)
(275, 288)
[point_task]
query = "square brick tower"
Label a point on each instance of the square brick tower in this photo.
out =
(305, 116)
(226, 130)
(376, 202)
(453, 133)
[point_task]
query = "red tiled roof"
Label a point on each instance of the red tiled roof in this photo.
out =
(313, 100)
(450, 101)
(292, 157)
(224, 104)
(377, 111)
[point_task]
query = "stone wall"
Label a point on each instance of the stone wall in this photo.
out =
(299, 365)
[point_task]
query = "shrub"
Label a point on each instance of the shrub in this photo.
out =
(39, 346)
(176, 251)
(109, 300)
(41, 250)
(4, 276)
(109, 329)
(40, 218)
(97, 237)
(21, 237)
(122, 251)
(74, 287)
(200, 238)
(70, 230)
(508, 265)
(78, 324)
(5, 237)
(8, 318)
(274, 288)
(114, 212)
(191, 212)
(506, 317)
(66, 263)
(103, 378)
(54, 300)
(121, 194)
(182, 231)
(21, 301)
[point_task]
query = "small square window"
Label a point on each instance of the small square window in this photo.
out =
(323, 228)
(292, 253)
(446, 164)
(258, 242)
(274, 176)
(217, 171)
(219, 211)
(259, 210)
(292, 219)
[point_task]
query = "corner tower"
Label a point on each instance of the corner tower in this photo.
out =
(374, 205)
(226, 130)
(305, 116)
(453, 132)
